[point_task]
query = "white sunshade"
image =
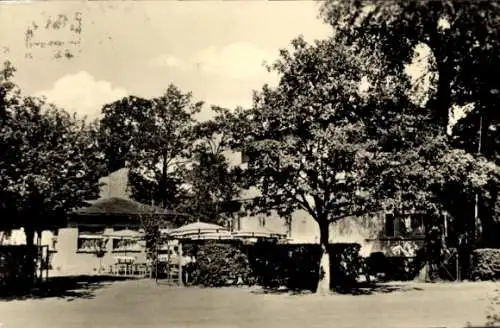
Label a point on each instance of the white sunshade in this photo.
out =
(198, 228)
(257, 232)
(212, 236)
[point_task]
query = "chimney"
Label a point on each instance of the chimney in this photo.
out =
(116, 184)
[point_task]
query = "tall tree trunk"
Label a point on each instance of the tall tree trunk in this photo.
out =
(442, 104)
(324, 266)
(30, 255)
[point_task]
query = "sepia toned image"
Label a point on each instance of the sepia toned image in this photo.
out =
(242, 164)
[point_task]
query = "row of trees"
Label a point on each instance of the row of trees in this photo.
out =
(346, 131)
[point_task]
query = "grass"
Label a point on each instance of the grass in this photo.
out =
(141, 303)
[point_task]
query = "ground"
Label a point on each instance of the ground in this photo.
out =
(142, 303)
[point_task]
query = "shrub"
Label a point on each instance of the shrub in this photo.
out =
(271, 265)
(17, 274)
(392, 267)
(219, 265)
(486, 264)
(345, 265)
(296, 266)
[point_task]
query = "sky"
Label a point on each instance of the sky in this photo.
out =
(213, 49)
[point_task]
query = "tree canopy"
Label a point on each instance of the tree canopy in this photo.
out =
(213, 181)
(326, 142)
(152, 138)
(50, 164)
(461, 42)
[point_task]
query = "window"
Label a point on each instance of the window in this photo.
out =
(91, 244)
(389, 225)
(417, 224)
(262, 221)
(244, 157)
(289, 227)
(90, 240)
(125, 245)
(411, 225)
(53, 244)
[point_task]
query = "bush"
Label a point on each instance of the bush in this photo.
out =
(270, 265)
(297, 266)
(345, 265)
(486, 264)
(17, 274)
(219, 265)
(392, 268)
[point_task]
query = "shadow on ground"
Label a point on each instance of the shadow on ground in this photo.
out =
(68, 288)
(382, 288)
(360, 289)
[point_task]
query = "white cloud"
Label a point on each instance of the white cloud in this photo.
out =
(239, 60)
(167, 60)
(83, 94)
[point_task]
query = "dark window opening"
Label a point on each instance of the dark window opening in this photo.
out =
(245, 158)
(389, 225)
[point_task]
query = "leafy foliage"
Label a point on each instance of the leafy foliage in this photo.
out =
(213, 182)
(461, 39)
(152, 137)
(271, 265)
(486, 264)
(307, 149)
(17, 268)
(220, 265)
(51, 163)
(296, 266)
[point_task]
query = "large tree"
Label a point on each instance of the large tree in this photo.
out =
(462, 42)
(306, 145)
(212, 179)
(50, 162)
(325, 142)
(152, 138)
(462, 38)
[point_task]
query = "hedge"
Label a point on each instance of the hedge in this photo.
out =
(219, 265)
(17, 274)
(486, 264)
(270, 265)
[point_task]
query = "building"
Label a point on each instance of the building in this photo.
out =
(109, 231)
(375, 232)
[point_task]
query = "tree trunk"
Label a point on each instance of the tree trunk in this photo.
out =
(442, 103)
(324, 266)
(30, 255)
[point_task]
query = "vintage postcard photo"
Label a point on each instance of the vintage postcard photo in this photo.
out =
(242, 164)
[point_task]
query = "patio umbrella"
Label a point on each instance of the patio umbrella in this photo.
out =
(197, 229)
